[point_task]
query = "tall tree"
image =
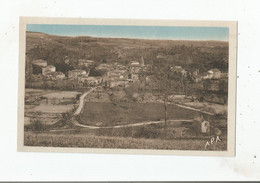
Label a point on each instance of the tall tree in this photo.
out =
(167, 82)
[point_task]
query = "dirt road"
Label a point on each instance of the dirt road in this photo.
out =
(75, 122)
(81, 101)
(194, 109)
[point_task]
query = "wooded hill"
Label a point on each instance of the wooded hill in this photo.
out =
(203, 55)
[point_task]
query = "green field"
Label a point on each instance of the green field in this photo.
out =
(124, 113)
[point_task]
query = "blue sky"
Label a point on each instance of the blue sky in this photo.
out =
(139, 32)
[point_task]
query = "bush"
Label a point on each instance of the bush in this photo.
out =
(37, 126)
(194, 129)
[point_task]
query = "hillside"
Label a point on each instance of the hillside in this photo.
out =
(55, 49)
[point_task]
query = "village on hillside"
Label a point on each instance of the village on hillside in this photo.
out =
(159, 95)
(117, 75)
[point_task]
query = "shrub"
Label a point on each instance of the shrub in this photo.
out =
(194, 129)
(37, 126)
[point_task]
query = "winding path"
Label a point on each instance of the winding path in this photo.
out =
(194, 109)
(128, 125)
(81, 101)
(81, 104)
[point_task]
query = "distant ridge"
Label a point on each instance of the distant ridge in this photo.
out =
(86, 36)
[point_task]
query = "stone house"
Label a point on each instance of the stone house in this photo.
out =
(55, 75)
(74, 74)
(48, 69)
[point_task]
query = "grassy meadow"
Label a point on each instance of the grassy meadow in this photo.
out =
(174, 136)
(90, 141)
(106, 114)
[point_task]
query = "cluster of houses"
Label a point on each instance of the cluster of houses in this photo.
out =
(42, 71)
(213, 80)
(196, 76)
(179, 70)
(118, 75)
(210, 74)
(48, 71)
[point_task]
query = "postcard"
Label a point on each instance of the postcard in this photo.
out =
(165, 87)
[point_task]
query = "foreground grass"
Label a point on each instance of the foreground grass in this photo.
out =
(91, 141)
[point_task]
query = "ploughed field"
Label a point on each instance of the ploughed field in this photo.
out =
(108, 114)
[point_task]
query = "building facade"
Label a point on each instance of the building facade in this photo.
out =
(55, 75)
(48, 69)
(74, 74)
(40, 62)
